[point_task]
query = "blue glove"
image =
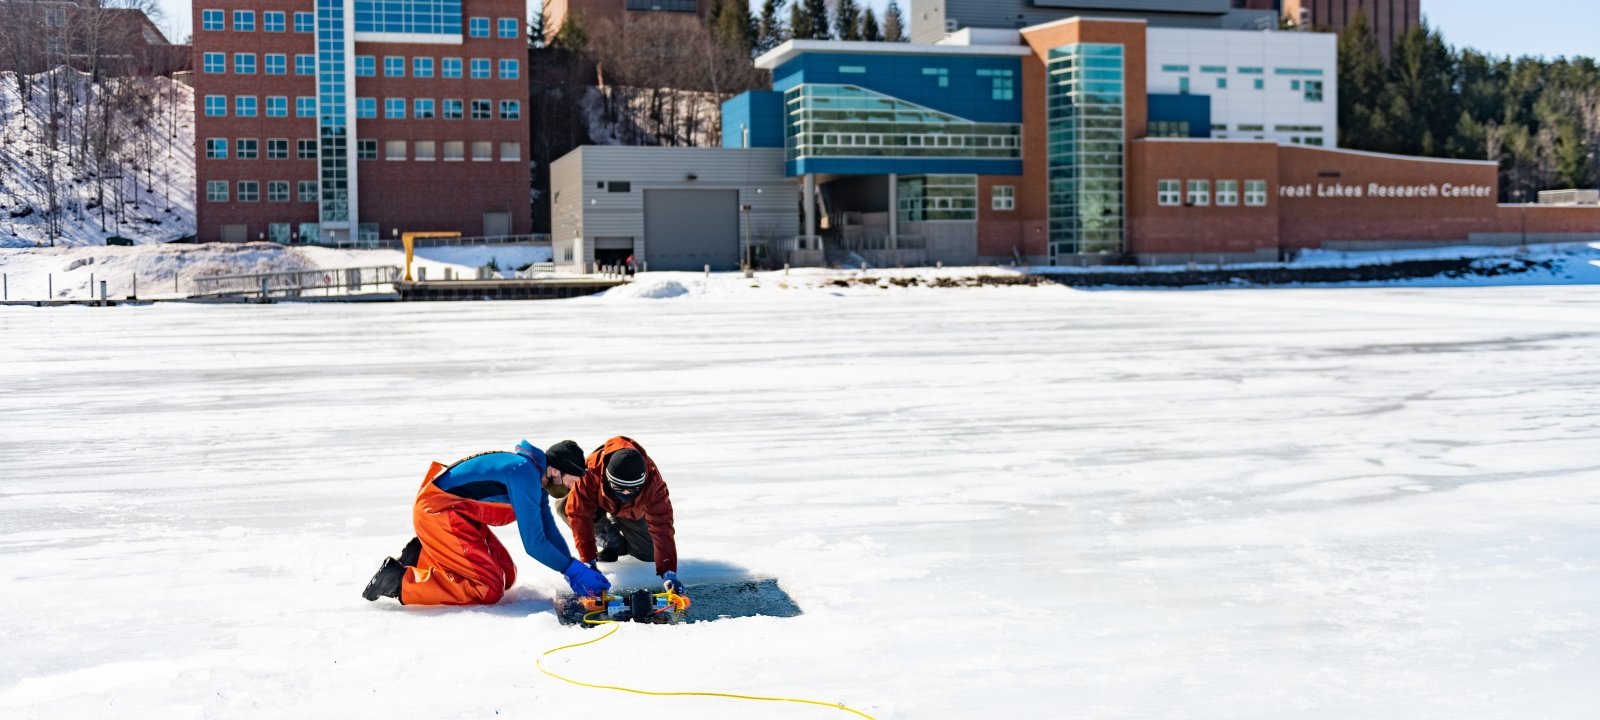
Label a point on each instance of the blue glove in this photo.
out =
(671, 583)
(585, 580)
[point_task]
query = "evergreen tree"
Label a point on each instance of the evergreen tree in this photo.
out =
(847, 22)
(1361, 85)
(894, 24)
(732, 25)
(1420, 99)
(818, 12)
(869, 26)
(536, 28)
(800, 26)
(770, 32)
(572, 36)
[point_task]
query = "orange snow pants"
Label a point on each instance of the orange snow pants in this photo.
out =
(462, 563)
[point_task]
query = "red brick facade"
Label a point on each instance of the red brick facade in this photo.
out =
(410, 194)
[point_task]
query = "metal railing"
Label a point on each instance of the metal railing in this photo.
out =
(530, 239)
(296, 283)
(880, 241)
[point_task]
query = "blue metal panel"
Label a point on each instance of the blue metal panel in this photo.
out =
(759, 111)
(903, 166)
(947, 83)
(1192, 109)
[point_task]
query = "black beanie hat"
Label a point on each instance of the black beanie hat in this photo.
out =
(625, 468)
(566, 456)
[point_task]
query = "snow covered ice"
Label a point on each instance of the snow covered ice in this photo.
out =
(1001, 502)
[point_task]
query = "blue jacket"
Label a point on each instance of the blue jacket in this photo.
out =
(513, 478)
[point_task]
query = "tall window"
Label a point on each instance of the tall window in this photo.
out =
(509, 28)
(480, 68)
(1085, 124)
(394, 66)
(1169, 192)
(478, 27)
(1255, 193)
(244, 21)
(214, 63)
(1227, 192)
(510, 69)
(272, 21)
(1199, 193)
(422, 67)
(212, 20)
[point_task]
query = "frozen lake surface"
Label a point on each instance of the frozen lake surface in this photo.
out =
(1010, 502)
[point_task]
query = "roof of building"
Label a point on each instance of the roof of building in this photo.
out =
(792, 49)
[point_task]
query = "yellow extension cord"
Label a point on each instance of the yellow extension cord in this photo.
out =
(613, 629)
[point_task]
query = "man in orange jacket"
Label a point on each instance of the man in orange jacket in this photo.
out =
(622, 502)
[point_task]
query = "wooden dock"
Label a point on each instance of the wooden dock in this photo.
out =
(499, 289)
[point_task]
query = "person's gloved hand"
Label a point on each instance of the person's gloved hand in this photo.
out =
(585, 580)
(670, 582)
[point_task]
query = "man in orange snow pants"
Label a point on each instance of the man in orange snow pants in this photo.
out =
(455, 559)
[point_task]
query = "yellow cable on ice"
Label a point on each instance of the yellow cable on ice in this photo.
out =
(613, 629)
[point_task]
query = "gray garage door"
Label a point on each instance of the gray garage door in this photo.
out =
(689, 229)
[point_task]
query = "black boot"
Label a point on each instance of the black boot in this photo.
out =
(412, 551)
(612, 544)
(385, 582)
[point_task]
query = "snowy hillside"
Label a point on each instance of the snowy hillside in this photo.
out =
(124, 143)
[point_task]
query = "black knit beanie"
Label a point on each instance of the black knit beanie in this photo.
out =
(566, 456)
(625, 468)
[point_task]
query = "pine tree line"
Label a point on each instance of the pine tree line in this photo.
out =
(1540, 119)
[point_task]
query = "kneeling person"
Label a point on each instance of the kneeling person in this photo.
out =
(455, 559)
(621, 504)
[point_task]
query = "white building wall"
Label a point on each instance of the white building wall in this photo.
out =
(1287, 60)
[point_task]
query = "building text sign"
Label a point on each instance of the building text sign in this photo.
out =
(1380, 190)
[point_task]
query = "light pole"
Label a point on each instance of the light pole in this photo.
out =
(744, 238)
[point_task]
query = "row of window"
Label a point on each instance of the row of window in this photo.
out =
(216, 63)
(1312, 89)
(1244, 70)
(1171, 193)
(305, 106)
(507, 28)
(366, 149)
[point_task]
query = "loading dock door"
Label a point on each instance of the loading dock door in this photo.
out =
(689, 229)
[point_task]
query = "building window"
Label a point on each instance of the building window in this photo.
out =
(216, 148)
(272, 21)
(450, 67)
(1175, 68)
(482, 150)
(481, 111)
(245, 105)
(509, 29)
(1260, 84)
(1004, 197)
(480, 68)
(1169, 128)
(452, 109)
(1294, 85)
(305, 22)
(277, 106)
(478, 27)
(244, 21)
(1298, 71)
(305, 149)
(511, 151)
(1222, 83)
(931, 198)
(306, 190)
(1255, 193)
(277, 191)
(510, 69)
(422, 67)
(454, 150)
(422, 108)
(1002, 85)
(942, 74)
(244, 63)
(1168, 193)
(394, 149)
(366, 149)
(1199, 193)
(425, 150)
(510, 109)
(1313, 91)
(277, 148)
(305, 106)
(394, 108)
(278, 232)
(249, 191)
(211, 20)
(619, 186)
(852, 69)
(366, 66)
(216, 106)
(1228, 192)
(216, 191)
(1183, 86)
(366, 108)
(214, 63)
(305, 64)
(247, 148)
(394, 66)
(277, 64)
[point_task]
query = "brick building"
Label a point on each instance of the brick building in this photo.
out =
(1390, 19)
(342, 121)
